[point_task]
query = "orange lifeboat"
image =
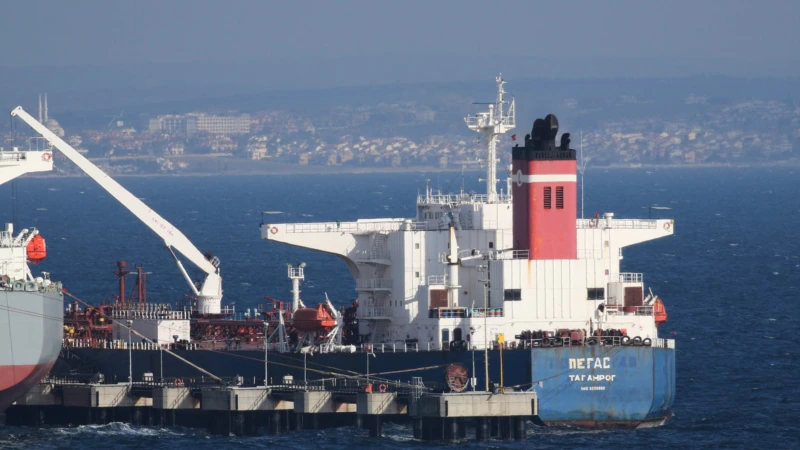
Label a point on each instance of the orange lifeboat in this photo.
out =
(313, 319)
(660, 312)
(36, 250)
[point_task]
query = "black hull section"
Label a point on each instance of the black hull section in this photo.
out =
(249, 364)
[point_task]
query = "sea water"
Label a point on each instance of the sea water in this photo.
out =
(729, 277)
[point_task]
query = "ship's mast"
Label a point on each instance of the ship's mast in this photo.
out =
(493, 124)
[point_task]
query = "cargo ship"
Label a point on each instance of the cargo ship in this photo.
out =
(502, 290)
(31, 306)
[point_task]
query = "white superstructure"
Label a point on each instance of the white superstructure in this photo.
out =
(14, 248)
(456, 272)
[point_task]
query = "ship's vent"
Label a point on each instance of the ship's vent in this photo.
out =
(559, 197)
(548, 197)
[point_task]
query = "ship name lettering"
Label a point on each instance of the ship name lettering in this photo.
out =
(590, 363)
(584, 377)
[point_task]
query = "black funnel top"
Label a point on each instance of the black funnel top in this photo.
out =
(540, 144)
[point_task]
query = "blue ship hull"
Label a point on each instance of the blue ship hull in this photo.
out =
(604, 386)
(634, 386)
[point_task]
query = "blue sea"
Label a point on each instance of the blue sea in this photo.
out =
(729, 277)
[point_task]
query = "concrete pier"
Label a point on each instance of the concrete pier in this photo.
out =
(443, 416)
(246, 411)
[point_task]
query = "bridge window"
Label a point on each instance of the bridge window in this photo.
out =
(559, 197)
(445, 335)
(595, 293)
(512, 295)
(548, 195)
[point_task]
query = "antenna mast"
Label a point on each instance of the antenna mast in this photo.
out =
(492, 124)
(582, 169)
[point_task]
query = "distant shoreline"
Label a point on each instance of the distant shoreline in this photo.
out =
(339, 170)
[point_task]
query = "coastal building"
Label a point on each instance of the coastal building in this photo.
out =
(200, 123)
(212, 124)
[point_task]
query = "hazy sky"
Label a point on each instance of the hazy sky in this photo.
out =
(378, 41)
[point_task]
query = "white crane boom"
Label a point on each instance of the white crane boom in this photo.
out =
(210, 293)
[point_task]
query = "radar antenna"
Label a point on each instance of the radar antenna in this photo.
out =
(492, 124)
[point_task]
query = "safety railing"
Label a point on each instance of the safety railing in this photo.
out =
(460, 199)
(510, 254)
(630, 277)
(643, 310)
(625, 224)
(566, 341)
(434, 280)
(372, 311)
(399, 347)
(374, 283)
(12, 156)
(352, 227)
(370, 255)
(486, 312)
(450, 313)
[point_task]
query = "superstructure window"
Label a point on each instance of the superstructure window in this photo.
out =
(595, 293)
(548, 194)
(512, 295)
(559, 197)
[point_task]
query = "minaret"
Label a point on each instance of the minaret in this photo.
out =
(45, 106)
(545, 193)
(40, 108)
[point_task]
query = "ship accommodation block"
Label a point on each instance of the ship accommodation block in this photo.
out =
(402, 283)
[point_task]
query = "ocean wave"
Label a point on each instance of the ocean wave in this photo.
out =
(115, 429)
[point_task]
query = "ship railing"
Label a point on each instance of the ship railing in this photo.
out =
(370, 255)
(460, 199)
(133, 314)
(486, 312)
(374, 283)
(436, 280)
(630, 277)
(510, 254)
(399, 347)
(448, 313)
(354, 227)
(624, 224)
(643, 310)
(556, 341)
(460, 312)
(68, 379)
(663, 343)
(122, 344)
(6, 156)
(372, 311)
(354, 385)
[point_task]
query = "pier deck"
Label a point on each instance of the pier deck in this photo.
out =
(243, 410)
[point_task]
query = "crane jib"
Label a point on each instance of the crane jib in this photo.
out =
(173, 238)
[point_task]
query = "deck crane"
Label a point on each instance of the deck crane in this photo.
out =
(209, 291)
